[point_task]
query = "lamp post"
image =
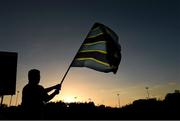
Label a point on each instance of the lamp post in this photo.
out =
(10, 100)
(17, 98)
(75, 99)
(118, 100)
(89, 99)
(147, 88)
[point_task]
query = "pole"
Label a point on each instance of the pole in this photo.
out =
(147, 92)
(118, 99)
(17, 97)
(75, 99)
(10, 101)
(66, 73)
(72, 61)
(69, 66)
(89, 99)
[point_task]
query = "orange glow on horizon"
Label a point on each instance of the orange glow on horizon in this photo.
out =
(69, 99)
(85, 85)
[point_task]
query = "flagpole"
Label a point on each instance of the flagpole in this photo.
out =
(66, 73)
(69, 67)
(73, 59)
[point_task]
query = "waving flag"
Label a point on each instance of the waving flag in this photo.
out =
(100, 50)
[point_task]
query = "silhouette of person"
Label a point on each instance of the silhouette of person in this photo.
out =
(34, 96)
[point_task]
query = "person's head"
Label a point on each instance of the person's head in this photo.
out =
(34, 76)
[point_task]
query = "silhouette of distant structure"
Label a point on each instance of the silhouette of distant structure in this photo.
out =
(147, 89)
(8, 70)
(17, 98)
(172, 100)
(118, 99)
(139, 109)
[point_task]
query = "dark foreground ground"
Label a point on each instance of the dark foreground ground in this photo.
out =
(169, 108)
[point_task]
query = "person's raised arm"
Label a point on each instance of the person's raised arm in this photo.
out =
(58, 86)
(49, 97)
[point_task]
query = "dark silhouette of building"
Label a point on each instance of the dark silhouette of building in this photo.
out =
(139, 109)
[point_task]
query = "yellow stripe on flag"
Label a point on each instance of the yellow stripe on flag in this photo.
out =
(93, 36)
(98, 61)
(93, 43)
(100, 51)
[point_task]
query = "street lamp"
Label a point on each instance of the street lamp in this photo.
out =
(17, 97)
(147, 88)
(89, 99)
(118, 99)
(75, 99)
(10, 100)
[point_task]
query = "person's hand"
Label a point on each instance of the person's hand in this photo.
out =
(56, 91)
(58, 87)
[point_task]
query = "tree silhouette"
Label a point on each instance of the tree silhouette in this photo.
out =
(139, 109)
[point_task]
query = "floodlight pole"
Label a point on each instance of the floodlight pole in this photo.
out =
(89, 99)
(75, 99)
(118, 99)
(17, 97)
(147, 92)
(10, 101)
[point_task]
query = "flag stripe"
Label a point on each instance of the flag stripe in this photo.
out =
(93, 43)
(93, 36)
(96, 55)
(95, 29)
(92, 64)
(97, 39)
(95, 32)
(98, 46)
(112, 34)
(99, 51)
(98, 61)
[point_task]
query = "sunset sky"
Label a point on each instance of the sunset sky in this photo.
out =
(47, 34)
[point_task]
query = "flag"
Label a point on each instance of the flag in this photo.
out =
(100, 50)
